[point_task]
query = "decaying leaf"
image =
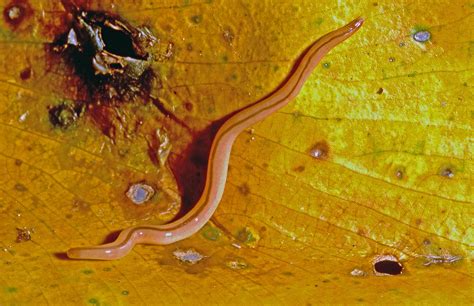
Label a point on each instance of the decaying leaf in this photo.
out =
(361, 186)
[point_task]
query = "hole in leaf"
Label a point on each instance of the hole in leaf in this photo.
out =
(388, 265)
(118, 42)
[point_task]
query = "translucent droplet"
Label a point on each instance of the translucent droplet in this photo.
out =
(422, 36)
(140, 193)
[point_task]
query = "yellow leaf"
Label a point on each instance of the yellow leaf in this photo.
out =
(370, 167)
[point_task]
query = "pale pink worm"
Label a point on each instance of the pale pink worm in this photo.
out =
(219, 155)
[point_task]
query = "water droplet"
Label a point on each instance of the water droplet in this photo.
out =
(320, 150)
(140, 193)
(422, 36)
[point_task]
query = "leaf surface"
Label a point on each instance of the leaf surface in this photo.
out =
(373, 158)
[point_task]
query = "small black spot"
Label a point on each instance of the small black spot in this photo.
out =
(390, 267)
(380, 91)
(25, 74)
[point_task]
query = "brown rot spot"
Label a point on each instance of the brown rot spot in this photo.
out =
(244, 189)
(25, 74)
(385, 265)
(24, 234)
(110, 56)
(447, 172)
(16, 12)
(107, 62)
(65, 114)
(320, 150)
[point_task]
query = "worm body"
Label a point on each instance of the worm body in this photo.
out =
(219, 155)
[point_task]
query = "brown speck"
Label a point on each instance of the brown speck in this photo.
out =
(79, 205)
(380, 91)
(24, 234)
(362, 232)
(237, 264)
(447, 172)
(418, 222)
(20, 187)
(391, 59)
(169, 52)
(18, 162)
(299, 169)
(25, 74)
(320, 150)
(228, 36)
(400, 174)
(16, 12)
(244, 189)
(188, 106)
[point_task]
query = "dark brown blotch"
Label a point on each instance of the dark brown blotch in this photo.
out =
(25, 74)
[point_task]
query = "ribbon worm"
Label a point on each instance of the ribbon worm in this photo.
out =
(219, 156)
